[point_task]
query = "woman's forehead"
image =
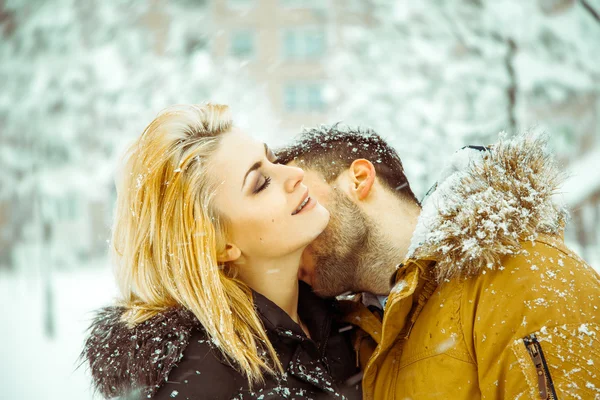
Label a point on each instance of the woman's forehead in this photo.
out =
(236, 154)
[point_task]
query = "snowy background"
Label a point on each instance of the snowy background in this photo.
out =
(79, 79)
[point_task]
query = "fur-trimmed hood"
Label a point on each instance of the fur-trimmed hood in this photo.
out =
(123, 359)
(486, 202)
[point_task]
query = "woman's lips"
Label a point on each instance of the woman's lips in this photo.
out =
(302, 203)
(309, 206)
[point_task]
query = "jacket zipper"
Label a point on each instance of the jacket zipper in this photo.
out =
(545, 384)
(323, 349)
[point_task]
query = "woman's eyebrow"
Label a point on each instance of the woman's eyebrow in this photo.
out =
(254, 167)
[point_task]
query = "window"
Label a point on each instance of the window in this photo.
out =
(303, 3)
(242, 44)
(304, 97)
(303, 43)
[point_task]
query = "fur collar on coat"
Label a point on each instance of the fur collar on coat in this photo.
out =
(487, 202)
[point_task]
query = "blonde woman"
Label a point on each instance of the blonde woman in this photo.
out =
(207, 241)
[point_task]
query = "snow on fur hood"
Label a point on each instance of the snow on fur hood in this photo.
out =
(123, 360)
(487, 202)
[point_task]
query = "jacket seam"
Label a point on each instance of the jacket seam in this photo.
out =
(460, 323)
(547, 239)
(548, 343)
(431, 354)
(565, 252)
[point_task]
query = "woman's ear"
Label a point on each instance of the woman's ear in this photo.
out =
(231, 253)
(362, 173)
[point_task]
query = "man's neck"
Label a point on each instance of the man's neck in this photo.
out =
(395, 221)
(400, 225)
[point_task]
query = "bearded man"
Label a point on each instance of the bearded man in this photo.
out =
(479, 296)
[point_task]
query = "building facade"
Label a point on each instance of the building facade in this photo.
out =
(284, 45)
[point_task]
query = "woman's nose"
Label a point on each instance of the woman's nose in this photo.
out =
(294, 178)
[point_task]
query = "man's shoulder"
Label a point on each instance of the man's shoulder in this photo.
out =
(543, 285)
(547, 259)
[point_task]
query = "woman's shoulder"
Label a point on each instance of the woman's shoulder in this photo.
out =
(124, 359)
(202, 369)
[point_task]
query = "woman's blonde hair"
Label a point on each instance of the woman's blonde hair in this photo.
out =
(167, 235)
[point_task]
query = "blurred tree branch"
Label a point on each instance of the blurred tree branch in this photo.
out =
(512, 87)
(7, 20)
(591, 10)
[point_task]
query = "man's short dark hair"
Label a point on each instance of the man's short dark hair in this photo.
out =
(331, 149)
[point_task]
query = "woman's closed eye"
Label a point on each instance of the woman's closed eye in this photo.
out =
(260, 187)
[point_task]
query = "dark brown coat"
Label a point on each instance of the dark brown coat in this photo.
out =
(170, 356)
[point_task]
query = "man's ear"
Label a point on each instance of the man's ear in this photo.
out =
(231, 253)
(362, 173)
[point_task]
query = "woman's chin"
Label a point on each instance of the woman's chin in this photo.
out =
(323, 215)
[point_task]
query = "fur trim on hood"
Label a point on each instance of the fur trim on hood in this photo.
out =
(486, 203)
(124, 360)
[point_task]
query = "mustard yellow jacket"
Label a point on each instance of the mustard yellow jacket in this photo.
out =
(490, 303)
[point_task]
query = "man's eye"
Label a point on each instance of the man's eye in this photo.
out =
(264, 185)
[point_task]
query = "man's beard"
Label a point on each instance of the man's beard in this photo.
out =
(350, 255)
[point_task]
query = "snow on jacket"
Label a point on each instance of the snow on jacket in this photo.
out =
(171, 357)
(489, 302)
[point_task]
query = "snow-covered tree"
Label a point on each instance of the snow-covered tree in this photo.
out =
(434, 75)
(80, 79)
